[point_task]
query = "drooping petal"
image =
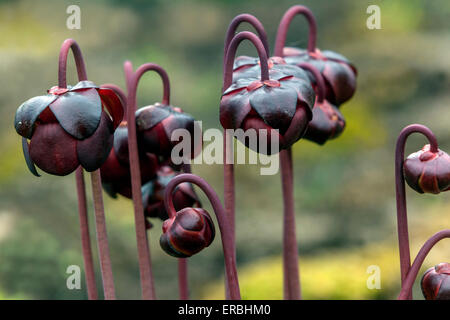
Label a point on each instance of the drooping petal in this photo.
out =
(113, 104)
(26, 154)
(275, 105)
(78, 112)
(93, 151)
(29, 111)
(297, 127)
(121, 145)
(234, 107)
(53, 150)
(178, 120)
(342, 80)
(148, 117)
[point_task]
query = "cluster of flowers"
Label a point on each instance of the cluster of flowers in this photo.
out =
(296, 93)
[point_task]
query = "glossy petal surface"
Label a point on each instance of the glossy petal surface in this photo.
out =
(78, 112)
(53, 150)
(93, 151)
(28, 112)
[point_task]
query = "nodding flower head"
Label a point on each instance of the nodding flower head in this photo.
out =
(153, 194)
(187, 233)
(436, 282)
(69, 127)
(115, 172)
(155, 125)
(328, 122)
(428, 172)
(278, 102)
(338, 72)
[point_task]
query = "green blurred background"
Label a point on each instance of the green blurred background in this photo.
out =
(344, 191)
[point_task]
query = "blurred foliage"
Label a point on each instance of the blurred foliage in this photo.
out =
(344, 191)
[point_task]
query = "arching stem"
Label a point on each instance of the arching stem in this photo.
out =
(68, 45)
(402, 219)
(228, 166)
(408, 282)
(284, 26)
(234, 24)
(132, 79)
(225, 231)
(231, 54)
(320, 82)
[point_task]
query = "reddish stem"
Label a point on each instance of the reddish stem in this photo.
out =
(132, 79)
(320, 82)
(405, 293)
(119, 92)
(402, 219)
(225, 231)
(252, 20)
(230, 55)
(229, 193)
(183, 285)
(85, 236)
(290, 250)
(284, 26)
(91, 285)
(102, 237)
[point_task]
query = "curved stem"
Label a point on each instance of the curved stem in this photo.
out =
(85, 236)
(402, 220)
(229, 185)
(291, 276)
(145, 269)
(183, 283)
(234, 24)
(284, 26)
(118, 91)
(70, 44)
(225, 231)
(102, 237)
(418, 261)
(164, 77)
(231, 53)
(62, 66)
(319, 80)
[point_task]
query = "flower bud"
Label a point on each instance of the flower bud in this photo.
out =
(69, 127)
(428, 172)
(187, 233)
(153, 194)
(436, 282)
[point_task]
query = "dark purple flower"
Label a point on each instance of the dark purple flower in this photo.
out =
(428, 172)
(115, 171)
(187, 233)
(155, 125)
(328, 122)
(338, 72)
(69, 127)
(436, 282)
(283, 103)
(153, 194)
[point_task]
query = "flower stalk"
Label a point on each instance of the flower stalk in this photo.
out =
(402, 219)
(408, 281)
(224, 226)
(102, 240)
